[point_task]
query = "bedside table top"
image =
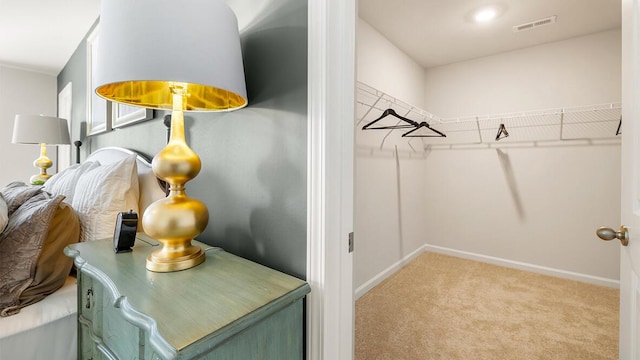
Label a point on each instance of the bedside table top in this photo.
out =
(218, 298)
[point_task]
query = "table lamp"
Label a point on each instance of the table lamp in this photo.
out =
(43, 130)
(200, 69)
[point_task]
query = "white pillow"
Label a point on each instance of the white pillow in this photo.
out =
(103, 192)
(64, 182)
(4, 214)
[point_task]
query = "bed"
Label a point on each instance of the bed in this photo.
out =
(47, 328)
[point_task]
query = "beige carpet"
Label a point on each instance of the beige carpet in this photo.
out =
(442, 307)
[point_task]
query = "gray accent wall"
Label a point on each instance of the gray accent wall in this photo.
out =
(254, 160)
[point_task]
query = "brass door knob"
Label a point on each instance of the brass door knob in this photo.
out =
(607, 234)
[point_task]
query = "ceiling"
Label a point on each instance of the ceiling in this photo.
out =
(438, 32)
(45, 33)
(41, 35)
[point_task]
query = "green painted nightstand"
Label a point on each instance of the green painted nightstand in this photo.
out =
(226, 308)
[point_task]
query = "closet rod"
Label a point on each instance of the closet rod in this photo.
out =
(582, 122)
(528, 126)
(576, 110)
(382, 97)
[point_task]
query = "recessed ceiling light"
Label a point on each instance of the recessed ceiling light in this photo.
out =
(484, 15)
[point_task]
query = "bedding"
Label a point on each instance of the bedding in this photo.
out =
(16, 193)
(52, 270)
(64, 183)
(101, 193)
(4, 214)
(32, 264)
(113, 178)
(45, 330)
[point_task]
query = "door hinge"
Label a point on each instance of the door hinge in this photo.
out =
(351, 242)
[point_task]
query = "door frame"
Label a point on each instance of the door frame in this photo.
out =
(629, 195)
(330, 173)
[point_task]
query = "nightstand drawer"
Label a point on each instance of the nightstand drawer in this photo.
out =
(89, 297)
(91, 348)
(104, 333)
(87, 346)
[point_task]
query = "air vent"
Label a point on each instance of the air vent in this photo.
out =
(534, 24)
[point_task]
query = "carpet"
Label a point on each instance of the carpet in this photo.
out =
(443, 307)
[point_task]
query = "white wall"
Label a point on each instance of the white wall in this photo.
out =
(579, 71)
(538, 205)
(385, 67)
(388, 190)
(23, 92)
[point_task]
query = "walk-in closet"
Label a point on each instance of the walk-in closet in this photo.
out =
(508, 157)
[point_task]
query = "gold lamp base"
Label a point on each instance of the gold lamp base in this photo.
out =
(39, 179)
(174, 221)
(158, 261)
(42, 163)
(177, 219)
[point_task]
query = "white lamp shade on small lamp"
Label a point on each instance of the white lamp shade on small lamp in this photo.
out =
(38, 129)
(43, 130)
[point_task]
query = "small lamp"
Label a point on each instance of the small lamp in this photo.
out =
(202, 70)
(43, 130)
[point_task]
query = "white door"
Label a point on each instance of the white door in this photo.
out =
(630, 255)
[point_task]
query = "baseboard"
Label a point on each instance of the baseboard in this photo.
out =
(590, 279)
(364, 288)
(596, 280)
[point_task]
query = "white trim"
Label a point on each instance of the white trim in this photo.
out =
(565, 274)
(344, 76)
(331, 108)
(376, 280)
(586, 278)
(316, 239)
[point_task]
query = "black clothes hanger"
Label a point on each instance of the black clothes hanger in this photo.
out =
(619, 126)
(502, 132)
(409, 123)
(424, 125)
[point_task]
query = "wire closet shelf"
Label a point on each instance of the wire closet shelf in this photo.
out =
(590, 122)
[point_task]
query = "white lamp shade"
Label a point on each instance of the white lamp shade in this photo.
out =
(143, 44)
(37, 129)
